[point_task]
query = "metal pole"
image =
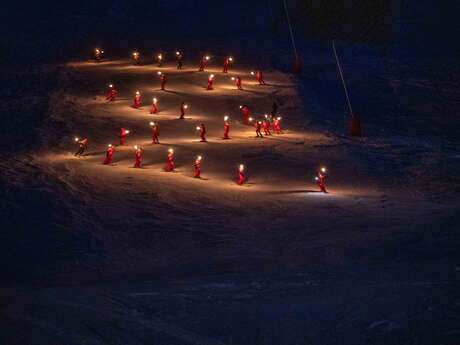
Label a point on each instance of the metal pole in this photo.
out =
(290, 28)
(343, 80)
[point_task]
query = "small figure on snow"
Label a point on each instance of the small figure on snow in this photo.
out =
(162, 80)
(266, 126)
(227, 62)
(259, 76)
(98, 54)
(170, 161)
(246, 113)
(136, 58)
(137, 100)
(258, 129)
(202, 129)
(108, 155)
(226, 127)
(241, 177)
(138, 157)
(210, 81)
(321, 179)
(277, 125)
(154, 108)
(123, 134)
(160, 60)
(155, 132)
(204, 62)
(179, 58)
(111, 93)
(197, 167)
(82, 146)
(183, 107)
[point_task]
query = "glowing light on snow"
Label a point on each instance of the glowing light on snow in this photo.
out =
(230, 59)
(178, 53)
(77, 139)
(136, 55)
(198, 128)
(232, 78)
(110, 85)
(152, 123)
(241, 107)
(226, 118)
(211, 76)
(159, 73)
(207, 57)
(160, 56)
(250, 119)
(127, 131)
(185, 106)
(136, 147)
(252, 73)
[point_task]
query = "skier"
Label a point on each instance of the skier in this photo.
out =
(266, 125)
(170, 161)
(277, 125)
(197, 167)
(98, 54)
(138, 157)
(321, 179)
(203, 63)
(154, 108)
(241, 177)
(111, 93)
(136, 58)
(137, 100)
(210, 80)
(179, 59)
(226, 127)
(123, 134)
(183, 107)
(227, 62)
(162, 80)
(202, 130)
(82, 146)
(246, 113)
(238, 83)
(160, 60)
(258, 128)
(259, 76)
(155, 132)
(108, 155)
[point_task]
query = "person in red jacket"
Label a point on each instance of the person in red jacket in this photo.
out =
(246, 113)
(123, 134)
(162, 81)
(82, 146)
(226, 127)
(154, 108)
(210, 81)
(170, 161)
(241, 177)
(266, 126)
(108, 155)
(111, 93)
(137, 100)
(138, 157)
(227, 62)
(202, 129)
(258, 129)
(197, 167)
(183, 107)
(277, 125)
(321, 179)
(204, 62)
(155, 132)
(259, 76)
(238, 83)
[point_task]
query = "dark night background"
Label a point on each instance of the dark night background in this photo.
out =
(379, 40)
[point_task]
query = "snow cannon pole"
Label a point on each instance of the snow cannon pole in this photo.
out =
(355, 124)
(297, 66)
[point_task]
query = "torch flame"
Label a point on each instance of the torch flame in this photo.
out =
(207, 57)
(138, 93)
(155, 100)
(127, 131)
(199, 158)
(170, 150)
(225, 118)
(250, 119)
(230, 59)
(241, 106)
(185, 106)
(198, 128)
(159, 73)
(135, 147)
(211, 76)
(110, 145)
(76, 139)
(241, 167)
(232, 78)
(160, 56)
(177, 53)
(110, 85)
(151, 123)
(323, 169)
(252, 73)
(278, 118)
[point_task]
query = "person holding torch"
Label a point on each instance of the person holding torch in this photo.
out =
(108, 155)
(123, 134)
(204, 62)
(259, 76)
(160, 60)
(241, 177)
(258, 126)
(197, 167)
(136, 58)
(266, 125)
(155, 132)
(137, 100)
(227, 62)
(162, 80)
(111, 93)
(82, 146)
(202, 129)
(179, 59)
(138, 157)
(226, 127)
(183, 107)
(170, 161)
(246, 113)
(210, 81)
(98, 54)
(154, 108)
(277, 125)
(321, 179)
